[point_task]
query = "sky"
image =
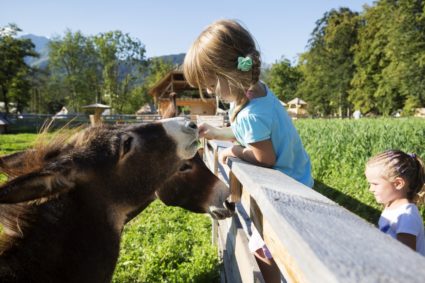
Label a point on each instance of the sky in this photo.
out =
(281, 28)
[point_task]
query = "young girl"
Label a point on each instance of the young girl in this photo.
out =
(397, 181)
(224, 60)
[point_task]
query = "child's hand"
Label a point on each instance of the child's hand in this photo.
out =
(224, 154)
(206, 131)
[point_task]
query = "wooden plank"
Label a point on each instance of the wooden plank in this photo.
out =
(240, 264)
(213, 120)
(313, 239)
(235, 188)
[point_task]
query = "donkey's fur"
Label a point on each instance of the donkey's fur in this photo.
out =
(65, 204)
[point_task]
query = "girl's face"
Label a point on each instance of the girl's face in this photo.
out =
(385, 192)
(220, 87)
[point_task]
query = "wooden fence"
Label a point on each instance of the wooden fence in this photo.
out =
(27, 123)
(311, 238)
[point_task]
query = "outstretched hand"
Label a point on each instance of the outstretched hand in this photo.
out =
(207, 131)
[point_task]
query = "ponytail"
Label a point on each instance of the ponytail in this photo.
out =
(419, 197)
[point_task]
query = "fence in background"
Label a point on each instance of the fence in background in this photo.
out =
(32, 123)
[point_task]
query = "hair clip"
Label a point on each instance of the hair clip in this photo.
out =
(244, 63)
(412, 155)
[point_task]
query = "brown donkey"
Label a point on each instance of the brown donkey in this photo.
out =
(65, 204)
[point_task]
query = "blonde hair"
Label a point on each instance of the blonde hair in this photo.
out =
(215, 53)
(396, 163)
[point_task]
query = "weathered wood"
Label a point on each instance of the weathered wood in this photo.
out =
(235, 188)
(313, 239)
(213, 120)
(240, 264)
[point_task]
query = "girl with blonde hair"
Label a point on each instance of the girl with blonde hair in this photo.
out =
(224, 60)
(397, 181)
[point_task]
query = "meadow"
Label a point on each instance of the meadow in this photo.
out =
(339, 150)
(166, 244)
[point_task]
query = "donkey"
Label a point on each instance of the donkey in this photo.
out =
(64, 206)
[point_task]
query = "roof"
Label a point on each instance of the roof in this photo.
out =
(97, 105)
(3, 121)
(173, 81)
(297, 101)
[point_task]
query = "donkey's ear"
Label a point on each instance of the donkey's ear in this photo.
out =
(12, 161)
(35, 185)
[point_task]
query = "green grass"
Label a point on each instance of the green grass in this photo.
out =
(339, 150)
(12, 143)
(165, 244)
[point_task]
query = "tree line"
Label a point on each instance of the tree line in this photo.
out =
(372, 61)
(109, 68)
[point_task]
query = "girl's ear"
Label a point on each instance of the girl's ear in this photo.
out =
(399, 183)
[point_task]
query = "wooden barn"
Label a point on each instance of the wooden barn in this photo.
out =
(188, 99)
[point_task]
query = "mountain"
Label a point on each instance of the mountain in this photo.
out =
(175, 59)
(41, 47)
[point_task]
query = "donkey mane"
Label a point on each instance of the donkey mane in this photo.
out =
(66, 200)
(18, 219)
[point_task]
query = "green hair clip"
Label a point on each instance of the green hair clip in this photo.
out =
(244, 63)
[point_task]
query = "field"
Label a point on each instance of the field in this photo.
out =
(166, 244)
(339, 150)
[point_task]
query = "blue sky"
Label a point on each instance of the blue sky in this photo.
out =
(281, 27)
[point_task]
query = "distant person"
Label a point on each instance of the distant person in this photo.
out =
(357, 114)
(61, 113)
(224, 60)
(397, 181)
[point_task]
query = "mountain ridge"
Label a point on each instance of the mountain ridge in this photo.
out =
(42, 47)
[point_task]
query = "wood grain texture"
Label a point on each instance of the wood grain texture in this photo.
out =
(315, 240)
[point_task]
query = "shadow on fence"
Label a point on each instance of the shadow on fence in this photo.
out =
(363, 210)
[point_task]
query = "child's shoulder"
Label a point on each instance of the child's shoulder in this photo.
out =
(406, 210)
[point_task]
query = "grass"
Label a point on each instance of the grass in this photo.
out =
(166, 244)
(339, 150)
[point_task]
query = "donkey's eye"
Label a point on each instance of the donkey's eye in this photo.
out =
(185, 167)
(126, 145)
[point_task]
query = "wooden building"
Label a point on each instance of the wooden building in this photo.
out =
(297, 108)
(188, 99)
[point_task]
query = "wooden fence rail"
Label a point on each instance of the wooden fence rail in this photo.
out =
(311, 238)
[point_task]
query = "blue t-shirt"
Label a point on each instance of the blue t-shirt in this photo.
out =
(265, 118)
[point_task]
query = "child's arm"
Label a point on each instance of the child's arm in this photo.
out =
(259, 153)
(210, 132)
(407, 239)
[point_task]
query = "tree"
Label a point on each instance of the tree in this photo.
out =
(283, 79)
(156, 70)
(327, 66)
(389, 58)
(73, 63)
(121, 59)
(407, 43)
(14, 83)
